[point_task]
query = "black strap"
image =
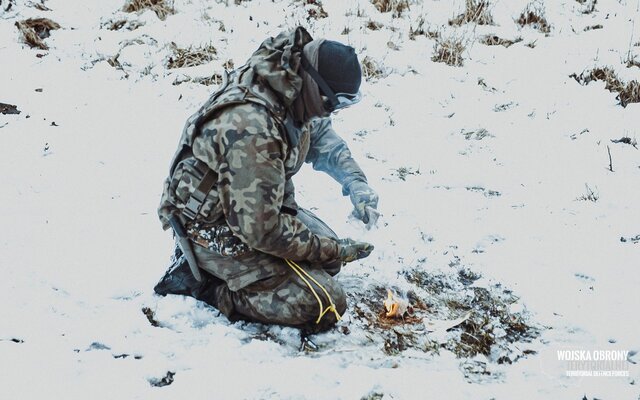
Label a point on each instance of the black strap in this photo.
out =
(324, 87)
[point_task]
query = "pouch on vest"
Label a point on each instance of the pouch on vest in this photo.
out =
(194, 191)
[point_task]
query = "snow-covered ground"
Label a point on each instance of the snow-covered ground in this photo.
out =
(500, 167)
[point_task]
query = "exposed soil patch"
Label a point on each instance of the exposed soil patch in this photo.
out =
(8, 109)
(35, 30)
(627, 92)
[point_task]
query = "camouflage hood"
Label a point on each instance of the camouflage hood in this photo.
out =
(277, 61)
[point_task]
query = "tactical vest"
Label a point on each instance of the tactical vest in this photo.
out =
(189, 191)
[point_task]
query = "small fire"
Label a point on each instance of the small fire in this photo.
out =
(395, 306)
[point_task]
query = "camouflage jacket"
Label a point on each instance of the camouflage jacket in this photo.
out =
(242, 135)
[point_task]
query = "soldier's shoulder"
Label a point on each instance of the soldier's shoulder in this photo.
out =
(246, 117)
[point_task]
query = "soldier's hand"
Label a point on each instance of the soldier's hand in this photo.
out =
(351, 250)
(365, 202)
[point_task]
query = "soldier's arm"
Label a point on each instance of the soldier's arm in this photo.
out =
(330, 154)
(251, 186)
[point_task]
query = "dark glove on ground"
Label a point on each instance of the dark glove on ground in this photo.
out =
(363, 198)
(351, 250)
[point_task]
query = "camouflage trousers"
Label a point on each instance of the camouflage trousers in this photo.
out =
(260, 287)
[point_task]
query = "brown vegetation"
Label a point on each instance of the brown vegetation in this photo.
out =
(373, 25)
(449, 51)
(627, 93)
(190, 57)
(534, 17)
(590, 5)
(476, 12)
(371, 69)
(493, 40)
(315, 10)
(395, 6)
(160, 7)
(214, 79)
(419, 30)
(34, 30)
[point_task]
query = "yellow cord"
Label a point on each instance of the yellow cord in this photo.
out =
(332, 307)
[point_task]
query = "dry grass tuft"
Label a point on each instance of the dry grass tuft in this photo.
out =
(590, 5)
(34, 30)
(590, 195)
(374, 26)
(395, 6)
(372, 69)
(419, 30)
(476, 12)
(190, 57)
(627, 93)
(534, 16)
(116, 25)
(449, 51)
(214, 79)
(493, 40)
(632, 61)
(592, 27)
(160, 7)
(315, 10)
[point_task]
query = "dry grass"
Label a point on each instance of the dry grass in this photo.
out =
(419, 30)
(214, 79)
(34, 30)
(593, 27)
(627, 93)
(116, 25)
(476, 12)
(590, 195)
(160, 7)
(373, 25)
(395, 6)
(449, 51)
(493, 40)
(190, 57)
(372, 69)
(533, 16)
(632, 61)
(590, 5)
(315, 10)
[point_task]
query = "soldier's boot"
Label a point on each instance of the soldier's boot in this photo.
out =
(180, 280)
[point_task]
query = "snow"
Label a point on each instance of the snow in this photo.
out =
(82, 248)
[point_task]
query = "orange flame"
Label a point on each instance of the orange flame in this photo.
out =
(395, 307)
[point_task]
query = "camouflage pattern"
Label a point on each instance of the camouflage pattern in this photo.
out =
(249, 222)
(277, 294)
(362, 196)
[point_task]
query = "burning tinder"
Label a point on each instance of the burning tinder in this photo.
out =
(395, 306)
